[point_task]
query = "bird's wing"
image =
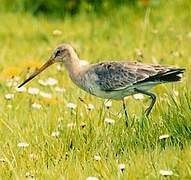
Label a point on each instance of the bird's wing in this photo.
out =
(113, 76)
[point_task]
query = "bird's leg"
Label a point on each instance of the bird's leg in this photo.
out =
(126, 115)
(153, 97)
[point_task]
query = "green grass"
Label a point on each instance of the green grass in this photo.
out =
(161, 33)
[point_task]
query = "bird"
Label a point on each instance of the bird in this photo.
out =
(113, 80)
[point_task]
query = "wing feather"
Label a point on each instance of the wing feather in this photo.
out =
(114, 76)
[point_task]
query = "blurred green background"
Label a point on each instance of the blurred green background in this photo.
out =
(71, 7)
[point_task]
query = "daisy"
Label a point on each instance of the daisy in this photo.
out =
(166, 172)
(55, 134)
(109, 121)
(33, 90)
(71, 105)
(22, 144)
(9, 96)
(164, 136)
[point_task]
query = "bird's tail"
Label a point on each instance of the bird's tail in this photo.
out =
(172, 75)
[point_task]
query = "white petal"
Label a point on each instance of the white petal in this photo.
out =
(11, 83)
(59, 89)
(2, 160)
(71, 125)
(122, 167)
(166, 172)
(164, 136)
(71, 105)
(138, 96)
(109, 121)
(45, 95)
(55, 134)
(97, 157)
(36, 106)
(90, 107)
(51, 81)
(33, 90)
(9, 96)
(21, 89)
(92, 178)
(108, 103)
(22, 144)
(42, 82)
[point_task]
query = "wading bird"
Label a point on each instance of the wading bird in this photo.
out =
(113, 79)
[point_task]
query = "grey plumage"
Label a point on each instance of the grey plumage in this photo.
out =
(114, 79)
(124, 76)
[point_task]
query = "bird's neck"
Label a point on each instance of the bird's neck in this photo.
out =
(74, 68)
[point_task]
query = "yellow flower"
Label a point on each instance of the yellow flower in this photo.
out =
(31, 64)
(9, 73)
(49, 101)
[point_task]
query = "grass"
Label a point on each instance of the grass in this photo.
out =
(162, 34)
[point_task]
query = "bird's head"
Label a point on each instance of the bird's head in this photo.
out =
(64, 53)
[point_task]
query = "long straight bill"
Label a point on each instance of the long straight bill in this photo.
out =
(38, 71)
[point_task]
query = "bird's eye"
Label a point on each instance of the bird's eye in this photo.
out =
(58, 52)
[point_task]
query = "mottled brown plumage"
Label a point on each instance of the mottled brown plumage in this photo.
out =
(113, 79)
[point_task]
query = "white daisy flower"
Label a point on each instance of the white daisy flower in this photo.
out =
(92, 178)
(45, 95)
(33, 90)
(9, 96)
(90, 107)
(108, 103)
(21, 89)
(51, 81)
(71, 125)
(32, 156)
(164, 136)
(42, 82)
(22, 144)
(71, 105)
(11, 83)
(97, 157)
(138, 96)
(82, 125)
(55, 134)
(109, 121)
(36, 106)
(29, 175)
(2, 160)
(122, 167)
(166, 172)
(59, 89)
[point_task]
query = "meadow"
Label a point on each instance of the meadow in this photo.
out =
(46, 132)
